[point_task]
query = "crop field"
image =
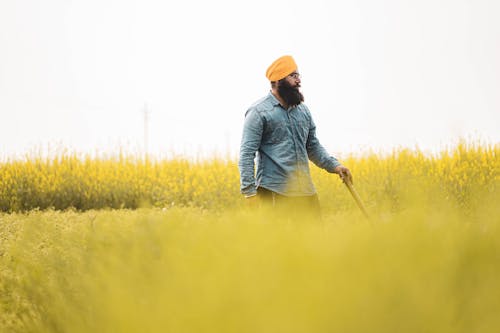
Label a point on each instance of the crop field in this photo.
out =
(123, 244)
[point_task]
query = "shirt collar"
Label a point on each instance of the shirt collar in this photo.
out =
(273, 98)
(275, 102)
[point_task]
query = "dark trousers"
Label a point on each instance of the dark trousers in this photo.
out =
(292, 207)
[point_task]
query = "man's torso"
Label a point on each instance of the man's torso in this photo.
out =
(282, 160)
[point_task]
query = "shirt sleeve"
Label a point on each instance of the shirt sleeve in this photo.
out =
(317, 153)
(250, 143)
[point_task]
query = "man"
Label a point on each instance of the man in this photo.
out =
(280, 131)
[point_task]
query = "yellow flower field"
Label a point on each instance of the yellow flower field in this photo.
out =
(127, 245)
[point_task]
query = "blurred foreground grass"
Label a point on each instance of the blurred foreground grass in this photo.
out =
(184, 270)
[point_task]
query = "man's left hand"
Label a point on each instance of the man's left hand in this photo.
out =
(344, 173)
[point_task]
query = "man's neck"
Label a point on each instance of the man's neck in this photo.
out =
(278, 97)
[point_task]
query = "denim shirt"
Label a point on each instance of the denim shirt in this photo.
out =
(283, 142)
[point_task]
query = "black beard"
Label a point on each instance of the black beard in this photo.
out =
(291, 95)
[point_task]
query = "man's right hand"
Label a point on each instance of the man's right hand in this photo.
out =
(344, 173)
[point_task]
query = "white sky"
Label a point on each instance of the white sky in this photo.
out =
(376, 74)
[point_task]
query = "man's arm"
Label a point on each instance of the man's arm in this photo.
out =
(250, 143)
(319, 156)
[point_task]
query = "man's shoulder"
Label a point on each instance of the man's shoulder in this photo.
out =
(303, 108)
(264, 104)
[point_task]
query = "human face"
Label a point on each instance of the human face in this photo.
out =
(288, 89)
(294, 79)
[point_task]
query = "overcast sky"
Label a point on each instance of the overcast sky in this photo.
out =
(376, 74)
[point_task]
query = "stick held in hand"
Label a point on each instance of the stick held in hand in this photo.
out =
(356, 197)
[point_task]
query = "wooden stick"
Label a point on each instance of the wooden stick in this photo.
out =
(356, 197)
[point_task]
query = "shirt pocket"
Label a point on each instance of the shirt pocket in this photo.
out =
(303, 129)
(276, 131)
(278, 134)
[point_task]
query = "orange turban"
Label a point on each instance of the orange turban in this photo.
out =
(280, 68)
